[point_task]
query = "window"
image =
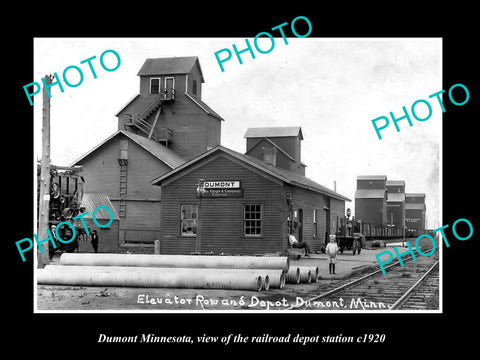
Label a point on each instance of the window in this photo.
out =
(315, 230)
(188, 220)
(252, 219)
(194, 87)
(155, 86)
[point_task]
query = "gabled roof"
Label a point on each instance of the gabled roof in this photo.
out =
(282, 131)
(372, 177)
(169, 66)
(169, 157)
(274, 145)
(395, 197)
(395, 182)
(415, 206)
(369, 194)
(277, 147)
(195, 100)
(286, 176)
(415, 194)
(204, 107)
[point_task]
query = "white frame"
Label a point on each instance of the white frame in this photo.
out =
(159, 85)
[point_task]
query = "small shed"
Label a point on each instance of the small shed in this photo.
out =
(108, 236)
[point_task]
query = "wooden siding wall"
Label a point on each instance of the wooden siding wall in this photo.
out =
(222, 219)
(195, 75)
(290, 144)
(102, 171)
(179, 83)
(396, 208)
(102, 174)
(337, 210)
(108, 238)
(371, 211)
(307, 201)
(282, 160)
(192, 129)
(214, 132)
(142, 223)
(418, 223)
(396, 189)
(376, 184)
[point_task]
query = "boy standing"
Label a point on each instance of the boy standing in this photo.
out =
(332, 250)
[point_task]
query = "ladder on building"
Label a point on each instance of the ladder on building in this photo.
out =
(122, 210)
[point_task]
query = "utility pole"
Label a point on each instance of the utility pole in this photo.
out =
(44, 200)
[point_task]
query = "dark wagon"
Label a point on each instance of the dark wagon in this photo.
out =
(353, 243)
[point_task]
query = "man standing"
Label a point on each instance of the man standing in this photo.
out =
(298, 245)
(94, 240)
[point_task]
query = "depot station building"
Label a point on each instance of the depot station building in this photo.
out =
(232, 203)
(168, 178)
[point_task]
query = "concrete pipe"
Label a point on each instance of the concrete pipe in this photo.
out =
(149, 277)
(293, 275)
(276, 277)
(265, 282)
(314, 271)
(182, 261)
(305, 275)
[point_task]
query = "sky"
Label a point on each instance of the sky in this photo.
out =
(331, 87)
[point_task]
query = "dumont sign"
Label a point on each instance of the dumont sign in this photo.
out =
(222, 184)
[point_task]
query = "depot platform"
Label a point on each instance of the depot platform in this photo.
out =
(349, 264)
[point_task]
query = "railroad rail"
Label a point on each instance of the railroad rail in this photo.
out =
(414, 287)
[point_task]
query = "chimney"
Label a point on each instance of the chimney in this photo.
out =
(270, 155)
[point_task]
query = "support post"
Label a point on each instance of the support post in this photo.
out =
(44, 200)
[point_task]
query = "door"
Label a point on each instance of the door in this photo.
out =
(300, 225)
(169, 87)
(327, 225)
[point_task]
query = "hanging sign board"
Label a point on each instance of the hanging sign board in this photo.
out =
(222, 193)
(221, 184)
(222, 189)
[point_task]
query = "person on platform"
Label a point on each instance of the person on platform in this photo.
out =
(332, 250)
(95, 240)
(298, 245)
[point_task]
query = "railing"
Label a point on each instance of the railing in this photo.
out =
(167, 96)
(151, 107)
(139, 121)
(142, 125)
(165, 135)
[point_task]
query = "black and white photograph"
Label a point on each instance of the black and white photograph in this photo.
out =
(281, 184)
(191, 183)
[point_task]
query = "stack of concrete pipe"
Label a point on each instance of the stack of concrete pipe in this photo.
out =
(302, 274)
(168, 271)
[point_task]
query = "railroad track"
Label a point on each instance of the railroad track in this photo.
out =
(411, 287)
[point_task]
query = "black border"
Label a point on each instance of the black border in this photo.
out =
(406, 333)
